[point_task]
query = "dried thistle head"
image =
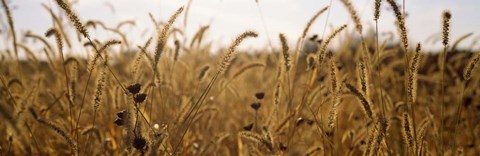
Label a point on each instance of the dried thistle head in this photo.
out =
(139, 143)
(139, 98)
(260, 95)
(119, 122)
(446, 16)
(255, 106)
(134, 88)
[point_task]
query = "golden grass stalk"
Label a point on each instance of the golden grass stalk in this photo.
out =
(256, 138)
(407, 132)
(97, 100)
(197, 105)
(55, 128)
(312, 151)
(98, 55)
(162, 37)
(136, 64)
(95, 131)
(367, 109)
(353, 15)
(323, 48)
(73, 65)
(227, 58)
(29, 53)
(446, 16)
(400, 23)
(376, 136)
(460, 39)
(422, 132)
(59, 24)
(364, 80)
(58, 39)
(123, 23)
(73, 17)
(177, 50)
(203, 73)
(267, 135)
(376, 11)
(199, 35)
(246, 68)
(11, 25)
(41, 39)
(332, 117)
(467, 72)
(413, 75)
(312, 20)
(286, 55)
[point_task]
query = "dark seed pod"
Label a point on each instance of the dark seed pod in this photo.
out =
(260, 95)
(119, 122)
(283, 147)
(300, 121)
(121, 114)
(310, 122)
(139, 98)
(139, 143)
(248, 127)
(135, 88)
(256, 105)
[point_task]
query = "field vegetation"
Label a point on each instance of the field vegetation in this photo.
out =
(171, 96)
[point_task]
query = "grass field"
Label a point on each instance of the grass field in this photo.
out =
(171, 96)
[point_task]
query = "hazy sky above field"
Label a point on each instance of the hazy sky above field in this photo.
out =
(228, 18)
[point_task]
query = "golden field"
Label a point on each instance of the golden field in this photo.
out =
(171, 96)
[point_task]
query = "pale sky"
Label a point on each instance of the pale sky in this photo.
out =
(227, 18)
